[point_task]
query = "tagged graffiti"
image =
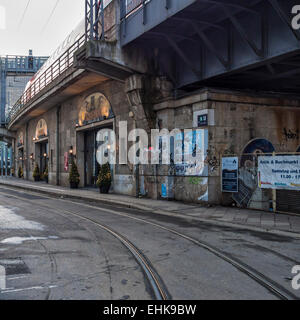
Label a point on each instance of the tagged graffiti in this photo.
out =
(195, 180)
(290, 135)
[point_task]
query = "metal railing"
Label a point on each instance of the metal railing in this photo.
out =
(63, 63)
(21, 63)
(94, 30)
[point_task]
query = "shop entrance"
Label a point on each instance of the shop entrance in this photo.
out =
(42, 155)
(91, 166)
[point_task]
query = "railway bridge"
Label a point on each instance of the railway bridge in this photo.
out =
(226, 67)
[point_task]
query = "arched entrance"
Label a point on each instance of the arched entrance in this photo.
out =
(41, 145)
(94, 114)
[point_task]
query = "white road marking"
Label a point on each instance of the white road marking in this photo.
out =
(10, 220)
(16, 278)
(20, 240)
(27, 289)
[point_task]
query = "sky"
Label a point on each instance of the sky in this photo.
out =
(38, 27)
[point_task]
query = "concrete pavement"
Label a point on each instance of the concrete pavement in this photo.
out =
(234, 217)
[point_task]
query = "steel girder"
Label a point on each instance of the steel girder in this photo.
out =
(94, 20)
(219, 42)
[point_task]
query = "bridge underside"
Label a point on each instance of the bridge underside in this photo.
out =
(232, 43)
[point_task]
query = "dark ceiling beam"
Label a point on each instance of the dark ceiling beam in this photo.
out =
(179, 51)
(289, 73)
(230, 4)
(206, 41)
(287, 63)
(270, 68)
(228, 13)
(242, 32)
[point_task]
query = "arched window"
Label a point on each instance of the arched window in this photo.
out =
(41, 129)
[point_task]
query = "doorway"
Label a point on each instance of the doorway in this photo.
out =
(91, 165)
(42, 155)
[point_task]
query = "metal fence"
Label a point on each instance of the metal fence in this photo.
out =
(21, 63)
(63, 63)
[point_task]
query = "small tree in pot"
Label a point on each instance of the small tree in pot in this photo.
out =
(20, 172)
(45, 175)
(104, 178)
(74, 177)
(36, 173)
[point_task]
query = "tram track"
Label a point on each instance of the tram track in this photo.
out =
(153, 278)
(158, 288)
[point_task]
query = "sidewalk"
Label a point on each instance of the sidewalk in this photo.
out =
(288, 225)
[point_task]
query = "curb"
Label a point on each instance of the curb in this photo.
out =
(277, 232)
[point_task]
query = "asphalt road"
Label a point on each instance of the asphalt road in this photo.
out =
(60, 249)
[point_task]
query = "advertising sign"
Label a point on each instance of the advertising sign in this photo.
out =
(279, 172)
(230, 174)
(66, 161)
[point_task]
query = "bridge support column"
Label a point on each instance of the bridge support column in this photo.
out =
(11, 160)
(142, 92)
(6, 160)
(2, 160)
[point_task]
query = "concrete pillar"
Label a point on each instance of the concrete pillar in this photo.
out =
(26, 154)
(6, 160)
(2, 160)
(142, 92)
(11, 157)
(57, 151)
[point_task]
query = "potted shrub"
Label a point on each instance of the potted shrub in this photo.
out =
(45, 175)
(36, 173)
(74, 177)
(20, 172)
(104, 178)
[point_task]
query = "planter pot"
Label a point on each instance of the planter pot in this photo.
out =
(104, 188)
(73, 185)
(36, 179)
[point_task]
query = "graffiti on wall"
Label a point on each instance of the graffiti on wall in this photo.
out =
(250, 195)
(196, 153)
(290, 134)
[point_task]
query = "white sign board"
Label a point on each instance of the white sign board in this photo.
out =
(279, 172)
(230, 174)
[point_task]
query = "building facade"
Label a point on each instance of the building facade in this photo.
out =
(108, 85)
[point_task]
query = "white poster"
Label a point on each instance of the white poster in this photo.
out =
(279, 172)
